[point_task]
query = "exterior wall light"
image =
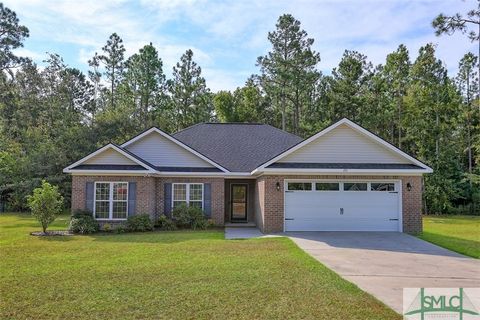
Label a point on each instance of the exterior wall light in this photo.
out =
(409, 186)
(277, 186)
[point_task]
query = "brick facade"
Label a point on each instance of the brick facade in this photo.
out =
(150, 194)
(270, 203)
(218, 194)
(145, 199)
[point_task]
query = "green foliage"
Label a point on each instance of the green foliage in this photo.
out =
(83, 223)
(46, 204)
(52, 116)
(12, 35)
(139, 223)
(165, 223)
(190, 217)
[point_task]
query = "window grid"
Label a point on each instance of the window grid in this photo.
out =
(371, 186)
(190, 194)
(111, 201)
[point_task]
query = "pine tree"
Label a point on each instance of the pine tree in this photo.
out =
(191, 99)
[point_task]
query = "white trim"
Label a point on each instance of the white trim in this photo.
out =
(397, 182)
(187, 193)
(426, 169)
(110, 201)
(172, 139)
(102, 149)
(342, 171)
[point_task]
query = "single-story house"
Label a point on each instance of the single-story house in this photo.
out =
(344, 178)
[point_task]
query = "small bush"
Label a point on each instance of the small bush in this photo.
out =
(190, 217)
(165, 223)
(107, 227)
(121, 228)
(83, 224)
(139, 223)
(80, 213)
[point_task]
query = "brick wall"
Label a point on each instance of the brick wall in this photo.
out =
(150, 193)
(270, 203)
(218, 194)
(145, 200)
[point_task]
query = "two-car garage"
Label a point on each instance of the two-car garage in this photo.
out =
(346, 205)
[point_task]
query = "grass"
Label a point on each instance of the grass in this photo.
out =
(168, 275)
(456, 233)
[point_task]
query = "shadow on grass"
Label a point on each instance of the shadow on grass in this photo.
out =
(466, 247)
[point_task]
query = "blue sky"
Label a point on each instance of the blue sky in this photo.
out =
(228, 36)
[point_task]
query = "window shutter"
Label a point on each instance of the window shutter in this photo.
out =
(132, 198)
(89, 194)
(207, 199)
(167, 199)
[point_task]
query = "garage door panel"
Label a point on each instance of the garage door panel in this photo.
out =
(321, 211)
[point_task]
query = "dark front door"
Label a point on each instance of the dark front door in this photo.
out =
(238, 196)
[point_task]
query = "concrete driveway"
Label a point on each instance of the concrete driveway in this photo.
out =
(383, 263)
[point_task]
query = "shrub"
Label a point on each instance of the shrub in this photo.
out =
(121, 228)
(107, 227)
(83, 224)
(80, 213)
(190, 217)
(165, 223)
(139, 222)
(46, 204)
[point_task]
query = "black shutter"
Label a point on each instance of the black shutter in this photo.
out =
(167, 199)
(89, 195)
(207, 199)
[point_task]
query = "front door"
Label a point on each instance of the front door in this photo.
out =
(238, 197)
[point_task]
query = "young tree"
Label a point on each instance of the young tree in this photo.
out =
(46, 204)
(288, 71)
(191, 99)
(12, 35)
(114, 62)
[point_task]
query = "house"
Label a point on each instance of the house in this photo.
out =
(344, 178)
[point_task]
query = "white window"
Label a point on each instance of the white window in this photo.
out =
(299, 186)
(190, 194)
(111, 201)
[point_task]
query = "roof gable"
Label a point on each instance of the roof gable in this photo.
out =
(343, 142)
(111, 156)
(344, 145)
(162, 150)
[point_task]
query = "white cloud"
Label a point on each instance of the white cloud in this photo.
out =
(228, 36)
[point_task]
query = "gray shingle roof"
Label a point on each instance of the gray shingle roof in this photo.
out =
(238, 147)
(108, 167)
(297, 165)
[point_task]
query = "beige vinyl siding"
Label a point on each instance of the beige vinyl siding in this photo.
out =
(162, 152)
(344, 145)
(110, 156)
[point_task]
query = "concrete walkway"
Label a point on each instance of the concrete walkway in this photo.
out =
(383, 263)
(232, 233)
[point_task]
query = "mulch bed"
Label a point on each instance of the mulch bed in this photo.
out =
(51, 233)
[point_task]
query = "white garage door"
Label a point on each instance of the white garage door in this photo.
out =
(342, 206)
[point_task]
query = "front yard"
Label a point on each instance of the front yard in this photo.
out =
(457, 233)
(168, 275)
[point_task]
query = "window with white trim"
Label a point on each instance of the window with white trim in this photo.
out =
(111, 201)
(190, 194)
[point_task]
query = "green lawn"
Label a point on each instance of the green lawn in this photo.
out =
(168, 275)
(457, 233)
